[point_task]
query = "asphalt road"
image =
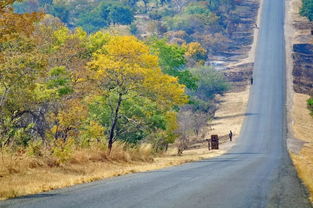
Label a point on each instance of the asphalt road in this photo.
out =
(256, 173)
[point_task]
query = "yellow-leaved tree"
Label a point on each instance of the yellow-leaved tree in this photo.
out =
(22, 64)
(129, 79)
(13, 25)
(195, 54)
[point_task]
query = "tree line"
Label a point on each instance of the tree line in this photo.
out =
(209, 22)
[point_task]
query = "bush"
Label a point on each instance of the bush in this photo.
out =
(34, 148)
(210, 83)
(63, 150)
(307, 9)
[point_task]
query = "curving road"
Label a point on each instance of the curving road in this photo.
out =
(256, 173)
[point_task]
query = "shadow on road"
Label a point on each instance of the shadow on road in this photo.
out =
(244, 153)
(237, 115)
(34, 196)
(217, 160)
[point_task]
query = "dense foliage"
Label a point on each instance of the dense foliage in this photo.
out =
(209, 22)
(64, 85)
(307, 9)
(91, 16)
(58, 84)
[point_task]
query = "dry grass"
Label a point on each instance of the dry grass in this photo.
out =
(303, 121)
(303, 35)
(26, 175)
(303, 129)
(304, 165)
(231, 113)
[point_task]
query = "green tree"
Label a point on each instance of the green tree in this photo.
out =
(22, 65)
(172, 61)
(133, 88)
(307, 9)
(104, 14)
(120, 15)
(210, 83)
(61, 10)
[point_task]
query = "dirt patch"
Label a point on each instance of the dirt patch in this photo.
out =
(231, 113)
(239, 76)
(302, 120)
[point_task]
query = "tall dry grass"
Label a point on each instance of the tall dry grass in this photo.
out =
(304, 165)
(34, 175)
(302, 129)
(23, 173)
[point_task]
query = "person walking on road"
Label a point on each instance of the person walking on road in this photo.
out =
(230, 135)
(251, 80)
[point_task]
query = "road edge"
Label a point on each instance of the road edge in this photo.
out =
(288, 190)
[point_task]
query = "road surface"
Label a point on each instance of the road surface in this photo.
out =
(256, 173)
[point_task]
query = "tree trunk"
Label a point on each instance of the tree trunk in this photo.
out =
(114, 122)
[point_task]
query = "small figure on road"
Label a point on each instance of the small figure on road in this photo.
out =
(230, 135)
(209, 144)
(256, 26)
(251, 80)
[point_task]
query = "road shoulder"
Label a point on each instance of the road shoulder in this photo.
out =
(300, 124)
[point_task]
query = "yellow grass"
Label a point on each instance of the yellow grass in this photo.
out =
(30, 175)
(303, 129)
(231, 113)
(302, 120)
(304, 165)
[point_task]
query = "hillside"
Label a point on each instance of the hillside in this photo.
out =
(223, 28)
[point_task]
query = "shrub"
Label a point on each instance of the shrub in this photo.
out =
(210, 83)
(307, 9)
(63, 150)
(34, 148)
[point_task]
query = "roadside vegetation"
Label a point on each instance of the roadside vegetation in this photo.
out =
(74, 92)
(303, 101)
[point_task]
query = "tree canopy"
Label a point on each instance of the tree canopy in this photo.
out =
(65, 85)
